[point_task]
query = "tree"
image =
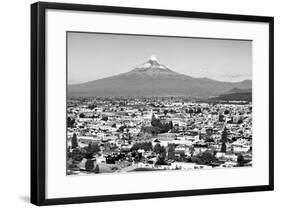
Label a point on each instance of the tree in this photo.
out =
(171, 151)
(153, 117)
(161, 151)
(97, 169)
(162, 127)
(224, 139)
(74, 141)
(198, 110)
(171, 126)
(151, 130)
(89, 165)
(156, 123)
(191, 151)
(172, 111)
(224, 135)
(146, 146)
(92, 106)
(165, 112)
(70, 122)
(139, 155)
(240, 160)
(175, 130)
(205, 158)
(182, 155)
(92, 148)
(240, 120)
(221, 118)
(104, 118)
(161, 161)
(76, 155)
(223, 147)
(158, 149)
(82, 115)
(121, 128)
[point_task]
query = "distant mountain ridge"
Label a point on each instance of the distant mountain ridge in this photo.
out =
(154, 79)
(237, 96)
(238, 90)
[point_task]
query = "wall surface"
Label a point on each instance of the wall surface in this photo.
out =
(15, 101)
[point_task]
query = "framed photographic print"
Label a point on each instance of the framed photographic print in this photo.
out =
(134, 103)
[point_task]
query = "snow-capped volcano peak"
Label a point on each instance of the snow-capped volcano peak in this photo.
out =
(152, 68)
(152, 61)
(153, 58)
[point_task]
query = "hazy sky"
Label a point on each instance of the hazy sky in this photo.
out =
(93, 56)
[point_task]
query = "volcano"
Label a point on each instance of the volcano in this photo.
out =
(154, 79)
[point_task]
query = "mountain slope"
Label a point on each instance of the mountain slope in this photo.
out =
(236, 96)
(238, 90)
(154, 79)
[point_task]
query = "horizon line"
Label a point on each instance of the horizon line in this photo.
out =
(83, 82)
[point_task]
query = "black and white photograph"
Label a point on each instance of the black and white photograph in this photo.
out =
(131, 103)
(157, 103)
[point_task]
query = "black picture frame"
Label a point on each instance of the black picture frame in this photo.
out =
(38, 106)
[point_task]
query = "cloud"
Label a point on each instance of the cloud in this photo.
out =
(202, 70)
(232, 76)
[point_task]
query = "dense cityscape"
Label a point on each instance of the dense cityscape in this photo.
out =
(125, 134)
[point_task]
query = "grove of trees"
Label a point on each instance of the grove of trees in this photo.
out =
(92, 149)
(204, 158)
(146, 146)
(159, 127)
